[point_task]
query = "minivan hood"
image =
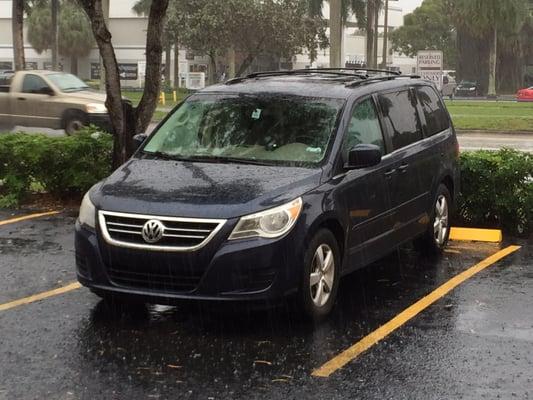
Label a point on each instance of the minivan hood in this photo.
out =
(201, 190)
(88, 95)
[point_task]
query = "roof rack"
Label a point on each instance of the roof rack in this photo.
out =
(326, 71)
(363, 78)
(380, 78)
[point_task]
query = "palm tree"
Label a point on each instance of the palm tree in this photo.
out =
(489, 19)
(18, 33)
(339, 13)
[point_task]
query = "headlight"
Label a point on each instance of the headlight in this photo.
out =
(96, 108)
(87, 212)
(270, 223)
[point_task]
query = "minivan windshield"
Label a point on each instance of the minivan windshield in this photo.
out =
(268, 129)
(68, 82)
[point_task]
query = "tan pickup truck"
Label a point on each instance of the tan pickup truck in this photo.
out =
(50, 99)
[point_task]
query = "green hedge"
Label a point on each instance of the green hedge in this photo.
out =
(497, 190)
(496, 187)
(62, 166)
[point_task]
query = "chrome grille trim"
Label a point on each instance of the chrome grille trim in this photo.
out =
(170, 232)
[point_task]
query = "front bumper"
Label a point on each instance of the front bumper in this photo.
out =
(101, 121)
(242, 270)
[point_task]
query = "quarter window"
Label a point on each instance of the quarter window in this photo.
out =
(364, 128)
(436, 118)
(34, 84)
(401, 118)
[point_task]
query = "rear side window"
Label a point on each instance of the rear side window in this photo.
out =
(400, 117)
(436, 117)
(33, 84)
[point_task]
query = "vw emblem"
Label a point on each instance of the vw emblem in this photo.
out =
(153, 231)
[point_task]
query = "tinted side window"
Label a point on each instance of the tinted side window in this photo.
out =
(436, 117)
(401, 118)
(33, 84)
(364, 128)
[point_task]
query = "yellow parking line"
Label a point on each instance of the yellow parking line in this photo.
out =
(26, 217)
(476, 235)
(39, 296)
(371, 339)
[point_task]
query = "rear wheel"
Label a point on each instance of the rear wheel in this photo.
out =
(321, 273)
(435, 239)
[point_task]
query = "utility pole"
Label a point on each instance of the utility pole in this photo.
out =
(385, 35)
(105, 11)
(55, 35)
(336, 34)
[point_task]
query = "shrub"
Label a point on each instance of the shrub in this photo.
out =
(497, 190)
(60, 165)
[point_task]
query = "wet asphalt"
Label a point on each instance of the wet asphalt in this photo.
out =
(475, 343)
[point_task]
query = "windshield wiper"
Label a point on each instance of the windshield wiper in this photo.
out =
(165, 156)
(227, 160)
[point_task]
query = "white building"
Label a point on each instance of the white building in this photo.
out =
(129, 37)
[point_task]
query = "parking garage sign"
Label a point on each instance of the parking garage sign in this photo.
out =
(429, 65)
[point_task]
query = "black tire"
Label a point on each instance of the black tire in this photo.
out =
(433, 242)
(73, 121)
(308, 297)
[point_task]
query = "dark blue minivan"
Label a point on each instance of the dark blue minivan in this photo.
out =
(273, 185)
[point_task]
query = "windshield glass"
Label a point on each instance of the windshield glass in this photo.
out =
(68, 82)
(278, 129)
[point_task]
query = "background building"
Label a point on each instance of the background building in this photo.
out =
(129, 37)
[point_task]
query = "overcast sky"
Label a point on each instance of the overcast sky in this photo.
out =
(408, 5)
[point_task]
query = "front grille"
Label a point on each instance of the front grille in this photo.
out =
(179, 234)
(161, 281)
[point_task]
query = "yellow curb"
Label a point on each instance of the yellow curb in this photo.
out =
(476, 235)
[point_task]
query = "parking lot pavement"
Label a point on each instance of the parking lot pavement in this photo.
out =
(475, 342)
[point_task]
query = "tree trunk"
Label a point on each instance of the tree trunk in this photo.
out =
(231, 63)
(176, 66)
(18, 34)
(369, 33)
(94, 11)
(105, 9)
(376, 33)
(493, 56)
(385, 36)
(74, 65)
(212, 68)
(154, 51)
(168, 51)
(55, 35)
(245, 64)
(336, 33)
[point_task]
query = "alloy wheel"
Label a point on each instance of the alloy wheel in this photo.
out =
(322, 275)
(440, 225)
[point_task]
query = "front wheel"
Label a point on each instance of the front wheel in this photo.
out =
(321, 274)
(74, 122)
(435, 239)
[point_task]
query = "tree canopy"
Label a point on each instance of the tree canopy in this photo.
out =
(75, 34)
(428, 27)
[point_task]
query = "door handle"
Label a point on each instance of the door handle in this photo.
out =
(389, 173)
(21, 98)
(403, 168)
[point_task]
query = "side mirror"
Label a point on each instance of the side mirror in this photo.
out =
(363, 156)
(46, 90)
(138, 140)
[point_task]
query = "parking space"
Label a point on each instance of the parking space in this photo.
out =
(474, 342)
